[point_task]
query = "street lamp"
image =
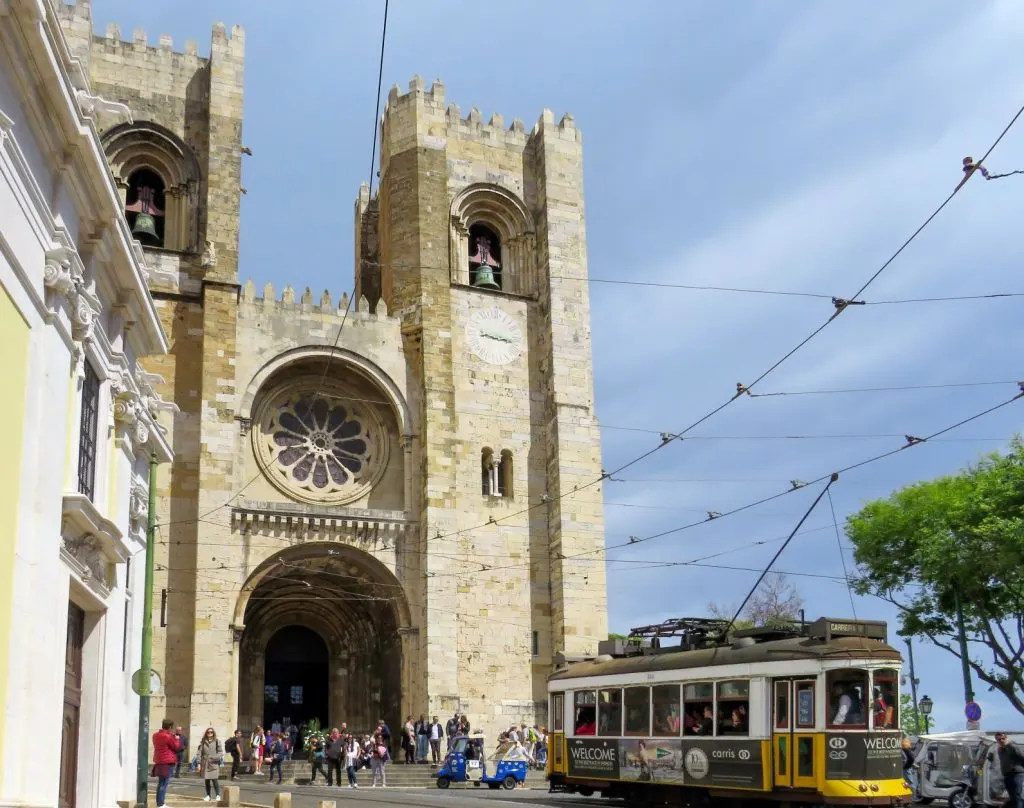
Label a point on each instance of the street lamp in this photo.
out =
(925, 706)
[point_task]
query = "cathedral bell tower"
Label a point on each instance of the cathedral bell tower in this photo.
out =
(477, 241)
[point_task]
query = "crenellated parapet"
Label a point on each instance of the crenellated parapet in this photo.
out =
(421, 113)
(307, 303)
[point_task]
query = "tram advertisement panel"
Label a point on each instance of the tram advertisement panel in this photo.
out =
(856, 756)
(593, 757)
(651, 760)
(722, 762)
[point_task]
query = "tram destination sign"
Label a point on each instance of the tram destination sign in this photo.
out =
(857, 756)
(723, 763)
(827, 627)
(594, 757)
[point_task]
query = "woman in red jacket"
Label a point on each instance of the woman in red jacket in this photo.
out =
(165, 756)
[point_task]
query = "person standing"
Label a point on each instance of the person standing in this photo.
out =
(165, 758)
(182, 750)
(377, 760)
(334, 753)
(256, 743)
(316, 760)
(422, 736)
(436, 733)
(451, 729)
(233, 746)
(211, 755)
(276, 753)
(353, 753)
(1011, 764)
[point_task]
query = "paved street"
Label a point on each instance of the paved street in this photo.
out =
(459, 797)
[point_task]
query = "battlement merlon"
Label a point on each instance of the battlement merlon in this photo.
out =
(77, 19)
(419, 118)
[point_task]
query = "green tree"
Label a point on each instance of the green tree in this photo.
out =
(954, 539)
(911, 721)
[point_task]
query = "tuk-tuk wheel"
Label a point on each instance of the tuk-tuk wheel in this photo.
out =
(509, 782)
(443, 782)
(960, 799)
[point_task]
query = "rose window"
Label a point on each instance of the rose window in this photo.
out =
(319, 448)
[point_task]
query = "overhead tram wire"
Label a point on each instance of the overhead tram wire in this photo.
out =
(741, 388)
(711, 288)
(348, 308)
(834, 477)
(842, 555)
(795, 485)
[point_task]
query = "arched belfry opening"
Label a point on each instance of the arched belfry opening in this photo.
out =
(296, 677)
(145, 207)
(484, 257)
(321, 639)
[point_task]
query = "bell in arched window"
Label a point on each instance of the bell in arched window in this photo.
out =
(483, 264)
(145, 210)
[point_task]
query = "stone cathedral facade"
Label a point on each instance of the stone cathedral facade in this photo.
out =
(379, 505)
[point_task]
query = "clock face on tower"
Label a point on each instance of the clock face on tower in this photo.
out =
(494, 336)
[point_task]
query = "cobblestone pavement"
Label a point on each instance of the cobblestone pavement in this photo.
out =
(455, 797)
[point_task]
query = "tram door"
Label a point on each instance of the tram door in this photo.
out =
(793, 722)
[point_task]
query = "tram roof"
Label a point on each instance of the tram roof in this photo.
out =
(789, 649)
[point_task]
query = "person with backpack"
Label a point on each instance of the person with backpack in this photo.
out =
(233, 746)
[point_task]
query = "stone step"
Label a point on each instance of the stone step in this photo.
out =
(297, 772)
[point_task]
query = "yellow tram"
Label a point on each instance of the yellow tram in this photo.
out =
(808, 713)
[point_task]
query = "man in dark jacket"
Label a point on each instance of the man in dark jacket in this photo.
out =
(1011, 764)
(451, 729)
(335, 754)
(179, 733)
(233, 747)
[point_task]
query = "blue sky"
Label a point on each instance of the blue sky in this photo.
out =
(774, 145)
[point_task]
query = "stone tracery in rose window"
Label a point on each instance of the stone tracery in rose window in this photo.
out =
(320, 447)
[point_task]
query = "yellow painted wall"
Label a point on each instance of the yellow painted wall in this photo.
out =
(14, 338)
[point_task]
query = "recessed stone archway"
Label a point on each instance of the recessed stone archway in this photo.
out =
(353, 604)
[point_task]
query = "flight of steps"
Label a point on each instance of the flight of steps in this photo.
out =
(399, 775)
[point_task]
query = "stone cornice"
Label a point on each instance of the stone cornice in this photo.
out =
(136, 407)
(352, 525)
(81, 520)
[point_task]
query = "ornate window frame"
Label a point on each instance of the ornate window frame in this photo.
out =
(133, 146)
(505, 214)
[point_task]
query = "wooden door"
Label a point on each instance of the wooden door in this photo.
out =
(72, 707)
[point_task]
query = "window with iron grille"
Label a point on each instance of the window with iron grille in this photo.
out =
(87, 432)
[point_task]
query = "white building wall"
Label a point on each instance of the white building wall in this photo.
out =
(44, 208)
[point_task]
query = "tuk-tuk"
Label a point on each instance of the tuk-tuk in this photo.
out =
(468, 762)
(961, 768)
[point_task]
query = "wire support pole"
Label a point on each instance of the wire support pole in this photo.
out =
(785, 544)
(145, 675)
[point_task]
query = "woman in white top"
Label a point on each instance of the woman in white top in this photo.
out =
(353, 753)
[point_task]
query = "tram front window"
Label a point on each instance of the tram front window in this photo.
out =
(848, 698)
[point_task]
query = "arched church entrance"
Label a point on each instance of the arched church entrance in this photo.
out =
(296, 678)
(321, 639)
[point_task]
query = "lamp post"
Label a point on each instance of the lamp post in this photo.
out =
(925, 706)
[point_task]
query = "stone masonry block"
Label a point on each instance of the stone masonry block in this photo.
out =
(230, 796)
(283, 800)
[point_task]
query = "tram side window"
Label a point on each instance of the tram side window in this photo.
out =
(584, 712)
(848, 698)
(734, 708)
(667, 710)
(557, 711)
(884, 699)
(699, 709)
(609, 712)
(638, 711)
